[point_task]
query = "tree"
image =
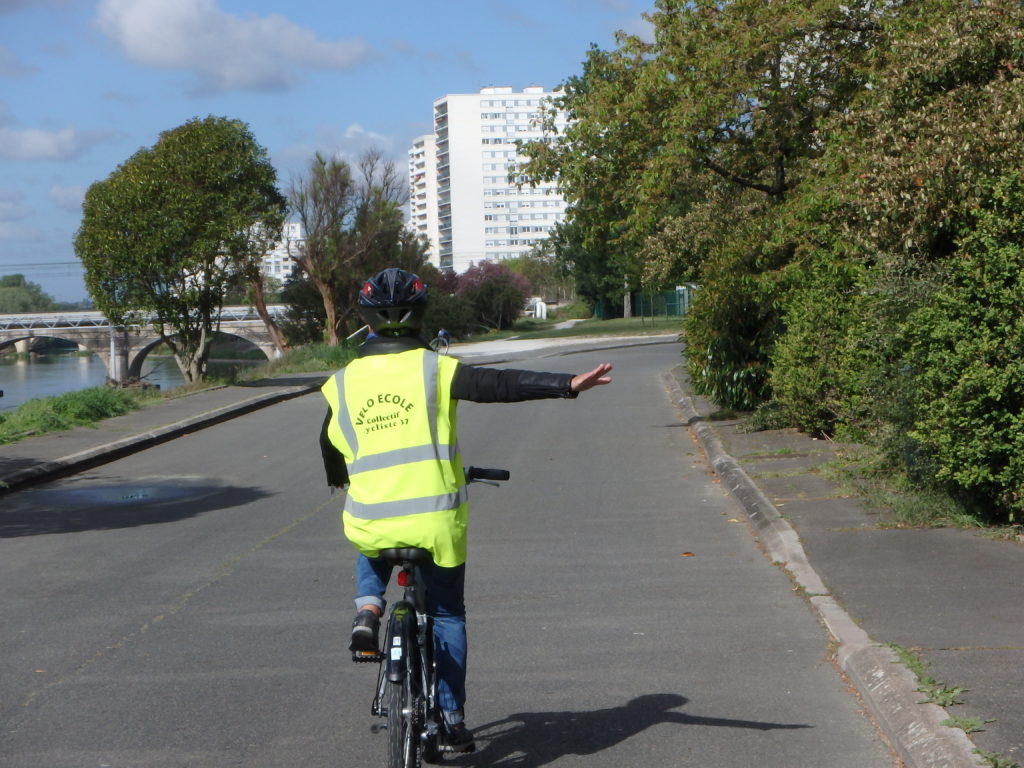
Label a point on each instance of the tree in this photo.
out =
(20, 295)
(354, 228)
(547, 277)
(166, 233)
(597, 163)
(496, 293)
(725, 102)
(304, 319)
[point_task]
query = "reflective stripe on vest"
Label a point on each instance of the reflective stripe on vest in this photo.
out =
(384, 509)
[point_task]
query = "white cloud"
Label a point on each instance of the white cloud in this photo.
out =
(18, 143)
(226, 52)
(640, 27)
(12, 207)
(348, 144)
(68, 198)
(36, 144)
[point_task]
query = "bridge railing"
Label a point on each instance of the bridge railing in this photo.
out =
(57, 320)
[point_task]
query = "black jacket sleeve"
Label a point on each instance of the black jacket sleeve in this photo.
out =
(334, 462)
(480, 385)
(503, 385)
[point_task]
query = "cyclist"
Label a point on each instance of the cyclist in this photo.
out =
(389, 437)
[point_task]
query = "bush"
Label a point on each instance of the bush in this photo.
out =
(450, 311)
(966, 349)
(577, 310)
(495, 293)
(729, 333)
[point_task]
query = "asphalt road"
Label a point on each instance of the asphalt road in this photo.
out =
(189, 605)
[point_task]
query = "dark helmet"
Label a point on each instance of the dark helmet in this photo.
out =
(393, 302)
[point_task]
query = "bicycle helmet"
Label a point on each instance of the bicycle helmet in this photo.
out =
(392, 302)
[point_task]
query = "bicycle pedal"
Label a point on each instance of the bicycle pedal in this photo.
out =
(366, 657)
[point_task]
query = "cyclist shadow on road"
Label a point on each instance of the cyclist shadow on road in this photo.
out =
(534, 739)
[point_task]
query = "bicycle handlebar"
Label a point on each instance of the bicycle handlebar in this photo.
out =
(486, 473)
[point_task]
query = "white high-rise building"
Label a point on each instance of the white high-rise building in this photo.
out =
(278, 262)
(423, 192)
(480, 215)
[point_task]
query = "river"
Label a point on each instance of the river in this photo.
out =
(23, 377)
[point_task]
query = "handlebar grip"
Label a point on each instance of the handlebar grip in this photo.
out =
(485, 473)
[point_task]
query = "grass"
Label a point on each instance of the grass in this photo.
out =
(934, 691)
(996, 761)
(946, 696)
(966, 724)
(862, 472)
(312, 358)
(85, 407)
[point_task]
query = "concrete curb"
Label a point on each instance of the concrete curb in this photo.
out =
(76, 462)
(888, 688)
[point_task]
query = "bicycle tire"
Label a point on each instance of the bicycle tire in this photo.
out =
(403, 749)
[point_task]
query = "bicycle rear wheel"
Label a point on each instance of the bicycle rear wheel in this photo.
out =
(403, 746)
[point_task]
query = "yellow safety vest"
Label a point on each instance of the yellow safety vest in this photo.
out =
(394, 422)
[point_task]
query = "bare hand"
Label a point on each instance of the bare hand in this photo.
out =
(594, 378)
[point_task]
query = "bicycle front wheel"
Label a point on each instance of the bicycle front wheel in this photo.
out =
(403, 749)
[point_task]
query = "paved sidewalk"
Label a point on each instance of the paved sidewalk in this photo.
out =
(954, 597)
(56, 454)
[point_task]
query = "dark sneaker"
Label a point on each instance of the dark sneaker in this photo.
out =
(457, 738)
(365, 628)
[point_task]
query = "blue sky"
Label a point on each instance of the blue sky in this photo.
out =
(85, 83)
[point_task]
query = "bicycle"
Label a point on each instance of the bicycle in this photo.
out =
(406, 697)
(441, 342)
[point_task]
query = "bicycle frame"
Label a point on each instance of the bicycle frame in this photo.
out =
(407, 658)
(408, 653)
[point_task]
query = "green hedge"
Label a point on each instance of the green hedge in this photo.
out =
(966, 347)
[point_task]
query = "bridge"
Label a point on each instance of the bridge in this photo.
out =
(122, 349)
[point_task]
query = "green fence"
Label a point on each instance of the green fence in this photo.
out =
(653, 303)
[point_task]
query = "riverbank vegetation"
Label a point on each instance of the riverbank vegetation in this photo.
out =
(83, 408)
(18, 295)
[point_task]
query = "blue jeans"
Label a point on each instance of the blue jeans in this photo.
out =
(446, 589)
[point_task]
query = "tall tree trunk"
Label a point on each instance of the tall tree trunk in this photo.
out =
(331, 312)
(260, 302)
(191, 359)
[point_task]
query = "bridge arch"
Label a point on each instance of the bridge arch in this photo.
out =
(24, 344)
(140, 345)
(123, 350)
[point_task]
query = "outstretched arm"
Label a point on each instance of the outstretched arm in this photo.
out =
(590, 379)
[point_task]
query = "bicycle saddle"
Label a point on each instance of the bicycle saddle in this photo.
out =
(403, 555)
